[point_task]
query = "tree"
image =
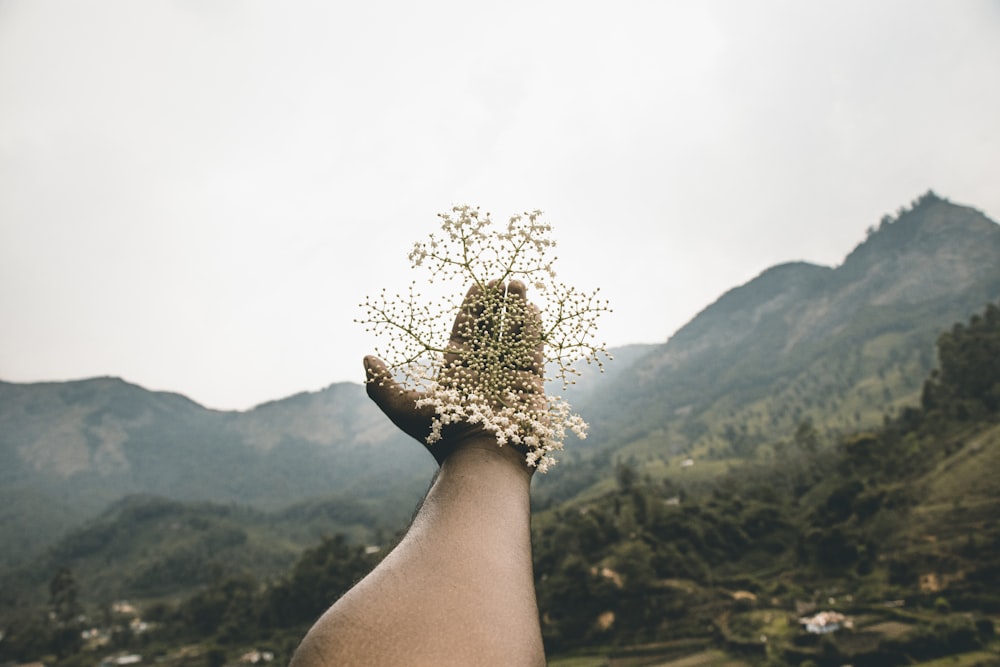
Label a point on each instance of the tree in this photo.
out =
(63, 596)
(806, 436)
(25, 639)
(319, 578)
(66, 613)
(626, 476)
(967, 382)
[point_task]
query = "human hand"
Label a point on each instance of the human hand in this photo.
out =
(523, 370)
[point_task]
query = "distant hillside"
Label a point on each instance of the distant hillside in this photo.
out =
(145, 546)
(836, 346)
(69, 449)
(800, 349)
(895, 529)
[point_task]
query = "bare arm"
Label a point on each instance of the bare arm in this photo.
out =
(459, 588)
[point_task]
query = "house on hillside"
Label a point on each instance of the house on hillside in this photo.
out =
(826, 622)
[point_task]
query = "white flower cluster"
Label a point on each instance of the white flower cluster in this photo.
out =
(491, 367)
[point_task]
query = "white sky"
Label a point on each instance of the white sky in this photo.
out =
(195, 195)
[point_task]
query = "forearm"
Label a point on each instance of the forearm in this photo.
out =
(459, 587)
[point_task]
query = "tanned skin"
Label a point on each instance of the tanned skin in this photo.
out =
(458, 589)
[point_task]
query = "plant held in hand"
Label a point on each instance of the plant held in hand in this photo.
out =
(491, 367)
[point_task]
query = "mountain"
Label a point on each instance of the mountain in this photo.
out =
(801, 349)
(789, 446)
(69, 449)
(894, 529)
(838, 347)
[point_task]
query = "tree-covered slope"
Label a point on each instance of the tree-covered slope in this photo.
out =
(791, 445)
(836, 347)
(896, 526)
(831, 349)
(69, 449)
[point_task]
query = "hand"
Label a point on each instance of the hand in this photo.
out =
(400, 404)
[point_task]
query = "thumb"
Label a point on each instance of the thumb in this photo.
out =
(379, 382)
(398, 404)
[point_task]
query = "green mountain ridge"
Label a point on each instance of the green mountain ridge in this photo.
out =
(840, 346)
(793, 443)
(69, 449)
(836, 347)
(895, 528)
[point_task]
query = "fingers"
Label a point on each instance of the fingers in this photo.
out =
(463, 331)
(492, 305)
(516, 288)
(525, 321)
(517, 307)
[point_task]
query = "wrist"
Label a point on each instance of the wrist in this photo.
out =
(480, 450)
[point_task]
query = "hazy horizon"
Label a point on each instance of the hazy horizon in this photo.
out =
(195, 196)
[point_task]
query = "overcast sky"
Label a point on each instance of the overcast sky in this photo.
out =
(195, 195)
